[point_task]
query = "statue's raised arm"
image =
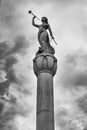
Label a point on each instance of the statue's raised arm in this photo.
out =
(33, 22)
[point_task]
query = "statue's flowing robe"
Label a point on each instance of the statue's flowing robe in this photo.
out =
(44, 41)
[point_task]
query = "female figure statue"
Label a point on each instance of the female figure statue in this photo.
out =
(43, 36)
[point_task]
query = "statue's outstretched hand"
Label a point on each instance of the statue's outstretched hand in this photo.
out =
(34, 17)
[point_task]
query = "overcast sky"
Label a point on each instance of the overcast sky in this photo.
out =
(18, 45)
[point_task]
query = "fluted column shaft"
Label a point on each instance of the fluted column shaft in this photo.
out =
(45, 104)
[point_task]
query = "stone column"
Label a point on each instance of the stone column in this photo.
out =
(45, 66)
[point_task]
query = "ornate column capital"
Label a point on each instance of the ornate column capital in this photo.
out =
(45, 62)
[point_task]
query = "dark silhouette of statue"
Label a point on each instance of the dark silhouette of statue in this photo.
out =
(43, 36)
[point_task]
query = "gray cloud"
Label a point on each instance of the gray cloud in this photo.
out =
(6, 12)
(60, 118)
(82, 103)
(64, 120)
(55, 1)
(73, 78)
(85, 128)
(0, 0)
(1, 107)
(9, 114)
(10, 54)
(21, 44)
(10, 61)
(4, 86)
(3, 49)
(75, 69)
(9, 18)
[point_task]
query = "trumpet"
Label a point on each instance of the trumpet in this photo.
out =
(30, 12)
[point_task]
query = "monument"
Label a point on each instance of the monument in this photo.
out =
(45, 66)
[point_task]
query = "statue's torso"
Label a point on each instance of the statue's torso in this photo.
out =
(43, 27)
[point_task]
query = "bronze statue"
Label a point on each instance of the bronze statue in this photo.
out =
(43, 36)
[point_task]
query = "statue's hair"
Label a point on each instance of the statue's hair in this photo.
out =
(44, 19)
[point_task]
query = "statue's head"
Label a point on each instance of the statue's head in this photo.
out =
(44, 19)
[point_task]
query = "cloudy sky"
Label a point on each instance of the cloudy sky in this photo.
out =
(18, 44)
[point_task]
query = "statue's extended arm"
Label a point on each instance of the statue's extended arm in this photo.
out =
(33, 22)
(50, 31)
